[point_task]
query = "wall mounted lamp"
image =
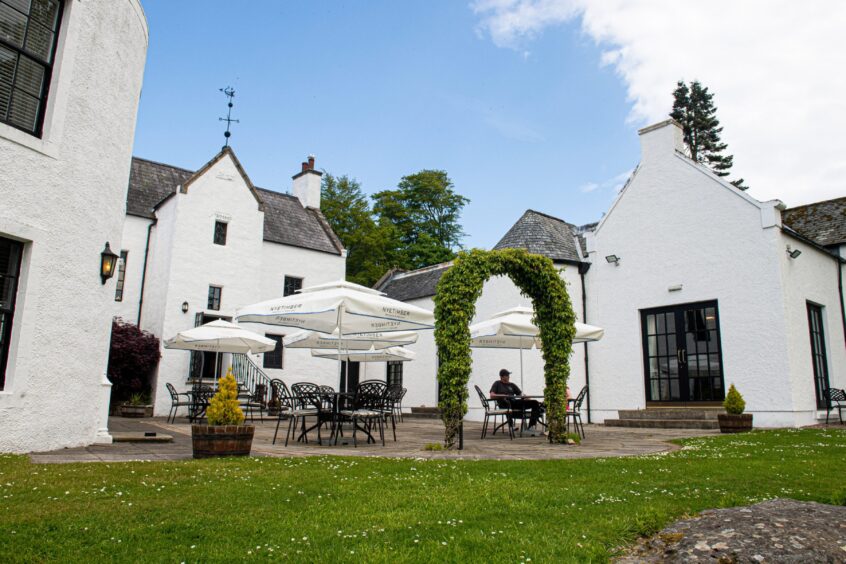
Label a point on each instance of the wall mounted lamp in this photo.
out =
(613, 259)
(184, 307)
(793, 253)
(108, 260)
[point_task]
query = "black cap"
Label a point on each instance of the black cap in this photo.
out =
(504, 372)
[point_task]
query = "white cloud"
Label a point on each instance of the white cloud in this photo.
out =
(775, 68)
(588, 187)
(615, 183)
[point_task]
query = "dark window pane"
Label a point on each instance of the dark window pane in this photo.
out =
(12, 25)
(661, 323)
(273, 359)
(121, 277)
(214, 297)
(8, 60)
(45, 12)
(291, 285)
(23, 111)
(220, 233)
(650, 324)
(662, 345)
(19, 5)
(39, 42)
(30, 76)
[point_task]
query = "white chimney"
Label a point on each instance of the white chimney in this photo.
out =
(661, 140)
(307, 185)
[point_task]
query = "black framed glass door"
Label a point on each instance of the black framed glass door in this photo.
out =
(818, 356)
(682, 354)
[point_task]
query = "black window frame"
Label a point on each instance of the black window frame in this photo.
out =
(393, 373)
(47, 65)
(121, 276)
(215, 297)
(291, 284)
(7, 314)
(220, 229)
(276, 356)
(819, 351)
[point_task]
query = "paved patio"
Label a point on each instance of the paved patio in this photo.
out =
(412, 436)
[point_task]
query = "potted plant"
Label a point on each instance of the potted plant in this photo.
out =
(136, 406)
(734, 420)
(225, 435)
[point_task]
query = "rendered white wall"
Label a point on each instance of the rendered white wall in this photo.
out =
(63, 196)
(134, 241)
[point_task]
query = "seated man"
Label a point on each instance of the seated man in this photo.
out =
(503, 388)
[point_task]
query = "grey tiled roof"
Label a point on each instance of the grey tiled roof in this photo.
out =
(150, 183)
(543, 235)
(823, 222)
(420, 283)
(286, 221)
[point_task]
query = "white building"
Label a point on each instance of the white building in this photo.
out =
(695, 285)
(198, 245)
(70, 80)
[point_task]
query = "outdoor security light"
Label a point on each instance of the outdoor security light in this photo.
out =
(613, 259)
(184, 307)
(794, 253)
(108, 260)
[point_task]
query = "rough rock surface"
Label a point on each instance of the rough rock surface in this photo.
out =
(779, 530)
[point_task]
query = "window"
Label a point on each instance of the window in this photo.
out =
(121, 275)
(10, 265)
(273, 359)
(818, 354)
(394, 373)
(214, 297)
(28, 31)
(292, 284)
(220, 233)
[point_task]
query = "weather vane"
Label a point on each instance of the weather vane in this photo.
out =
(230, 93)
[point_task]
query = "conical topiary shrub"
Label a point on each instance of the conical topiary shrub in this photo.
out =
(734, 403)
(224, 435)
(223, 407)
(734, 420)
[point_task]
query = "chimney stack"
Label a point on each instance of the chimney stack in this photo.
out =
(661, 140)
(307, 184)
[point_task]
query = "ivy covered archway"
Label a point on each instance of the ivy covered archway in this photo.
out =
(455, 306)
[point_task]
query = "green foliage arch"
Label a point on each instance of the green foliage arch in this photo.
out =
(455, 306)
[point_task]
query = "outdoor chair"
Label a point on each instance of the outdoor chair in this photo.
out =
(392, 398)
(282, 402)
(176, 403)
(574, 412)
(492, 411)
(250, 401)
(368, 408)
(399, 404)
(308, 402)
(834, 399)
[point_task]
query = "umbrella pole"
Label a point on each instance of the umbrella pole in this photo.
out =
(521, 366)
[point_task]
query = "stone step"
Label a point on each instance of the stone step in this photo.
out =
(664, 423)
(664, 413)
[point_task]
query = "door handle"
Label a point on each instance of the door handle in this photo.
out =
(681, 355)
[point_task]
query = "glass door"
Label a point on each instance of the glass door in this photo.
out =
(682, 354)
(818, 356)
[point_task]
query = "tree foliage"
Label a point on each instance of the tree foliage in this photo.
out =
(223, 407)
(693, 108)
(425, 211)
(133, 356)
(734, 403)
(455, 306)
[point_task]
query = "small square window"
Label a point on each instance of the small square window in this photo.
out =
(220, 232)
(273, 359)
(292, 284)
(214, 297)
(394, 373)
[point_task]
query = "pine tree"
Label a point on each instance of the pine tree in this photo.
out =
(693, 108)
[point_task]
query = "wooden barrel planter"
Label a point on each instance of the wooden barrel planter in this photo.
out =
(221, 440)
(735, 423)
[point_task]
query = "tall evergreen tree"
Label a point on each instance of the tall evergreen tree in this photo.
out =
(693, 108)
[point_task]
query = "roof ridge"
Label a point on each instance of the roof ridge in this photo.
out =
(423, 269)
(816, 203)
(162, 164)
(564, 221)
(276, 192)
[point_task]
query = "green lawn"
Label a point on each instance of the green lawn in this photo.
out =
(338, 508)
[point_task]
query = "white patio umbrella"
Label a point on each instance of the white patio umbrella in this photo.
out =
(220, 337)
(339, 306)
(391, 354)
(355, 341)
(513, 329)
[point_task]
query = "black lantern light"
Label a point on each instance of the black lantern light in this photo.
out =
(108, 261)
(184, 307)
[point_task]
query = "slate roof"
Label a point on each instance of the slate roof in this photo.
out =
(415, 284)
(543, 235)
(823, 222)
(286, 221)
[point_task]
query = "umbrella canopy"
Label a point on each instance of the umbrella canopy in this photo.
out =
(395, 354)
(356, 341)
(513, 329)
(220, 336)
(347, 307)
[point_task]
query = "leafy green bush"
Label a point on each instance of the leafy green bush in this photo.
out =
(734, 403)
(223, 407)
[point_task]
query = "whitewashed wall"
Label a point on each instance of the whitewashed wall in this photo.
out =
(134, 241)
(675, 224)
(812, 276)
(63, 196)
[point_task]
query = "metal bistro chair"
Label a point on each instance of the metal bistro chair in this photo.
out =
(391, 399)
(250, 401)
(399, 404)
(282, 401)
(176, 403)
(834, 399)
(368, 407)
(308, 402)
(574, 412)
(492, 410)
(201, 394)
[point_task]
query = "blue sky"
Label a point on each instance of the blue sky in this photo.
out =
(378, 92)
(525, 103)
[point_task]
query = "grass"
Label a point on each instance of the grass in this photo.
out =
(352, 509)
